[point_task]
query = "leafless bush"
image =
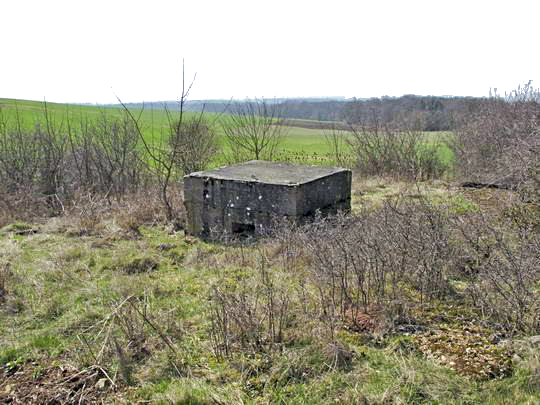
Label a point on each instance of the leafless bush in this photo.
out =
(19, 158)
(336, 140)
(105, 157)
(252, 315)
(407, 253)
(377, 257)
(498, 143)
(234, 322)
(89, 166)
(398, 152)
(87, 212)
(287, 249)
(276, 302)
(346, 266)
(66, 165)
(187, 144)
(252, 130)
(23, 204)
(195, 141)
(365, 272)
(505, 265)
(52, 142)
(31, 168)
(44, 169)
(146, 208)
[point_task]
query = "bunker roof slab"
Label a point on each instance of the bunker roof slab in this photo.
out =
(261, 171)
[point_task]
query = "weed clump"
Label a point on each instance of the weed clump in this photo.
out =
(10, 302)
(137, 265)
(3, 282)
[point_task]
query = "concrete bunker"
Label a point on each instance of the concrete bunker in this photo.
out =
(244, 199)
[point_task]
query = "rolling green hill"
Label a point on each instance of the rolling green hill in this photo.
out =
(302, 143)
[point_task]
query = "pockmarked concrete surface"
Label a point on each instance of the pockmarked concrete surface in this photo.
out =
(246, 198)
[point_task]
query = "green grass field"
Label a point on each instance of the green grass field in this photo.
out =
(30, 112)
(300, 144)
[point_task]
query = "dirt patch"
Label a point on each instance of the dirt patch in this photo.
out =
(32, 383)
(468, 351)
(310, 124)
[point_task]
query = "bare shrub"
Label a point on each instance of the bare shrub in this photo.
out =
(58, 164)
(340, 150)
(505, 263)
(370, 272)
(195, 141)
(87, 166)
(52, 143)
(23, 204)
(498, 142)
(251, 315)
(376, 259)
(19, 157)
(367, 269)
(87, 212)
(234, 322)
(400, 152)
(43, 170)
(360, 271)
(287, 250)
(106, 158)
(252, 129)
(188, 144)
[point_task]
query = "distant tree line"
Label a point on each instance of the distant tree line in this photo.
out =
(428, 113)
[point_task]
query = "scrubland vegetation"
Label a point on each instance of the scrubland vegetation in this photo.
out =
(427, 292)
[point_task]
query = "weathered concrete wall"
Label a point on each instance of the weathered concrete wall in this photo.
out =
(327, 194)
(216, 204)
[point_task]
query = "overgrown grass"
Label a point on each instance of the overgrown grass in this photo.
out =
(138, 306)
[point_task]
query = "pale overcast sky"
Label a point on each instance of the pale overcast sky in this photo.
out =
(88, 51)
